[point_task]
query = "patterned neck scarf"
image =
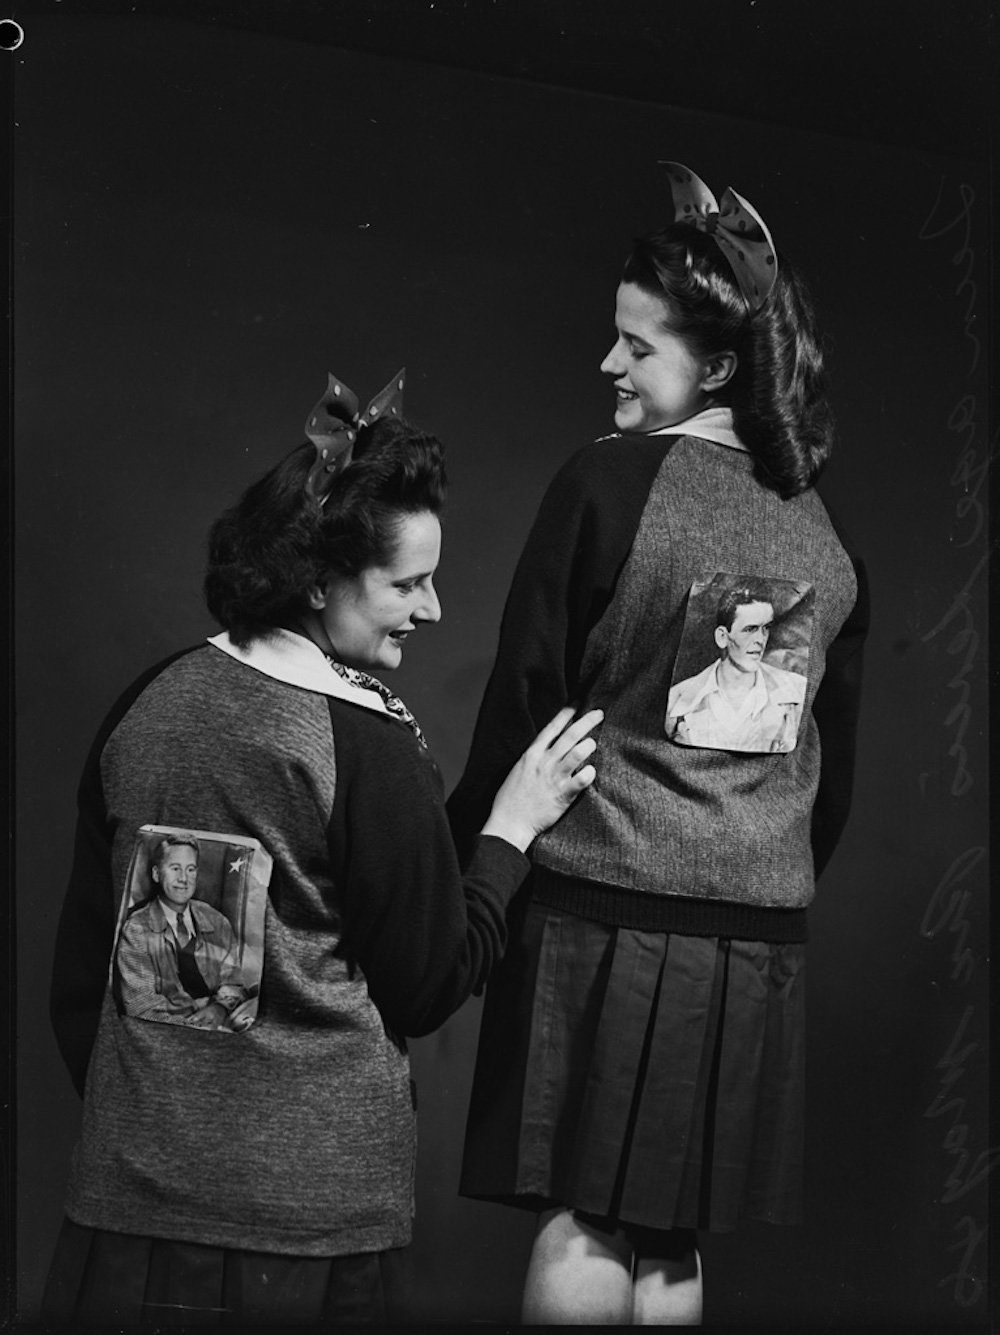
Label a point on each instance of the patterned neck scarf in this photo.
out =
(392, 702)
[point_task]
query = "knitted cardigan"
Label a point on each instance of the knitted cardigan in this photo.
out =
(670, 837)
(297, 1135)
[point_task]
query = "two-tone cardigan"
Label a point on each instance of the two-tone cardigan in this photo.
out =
(297, 1135)
(671, 837)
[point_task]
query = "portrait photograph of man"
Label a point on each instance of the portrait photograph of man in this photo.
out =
(750, 696)
(184, 952)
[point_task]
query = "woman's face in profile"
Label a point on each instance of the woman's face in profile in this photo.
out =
(369, 617)
(658, 382)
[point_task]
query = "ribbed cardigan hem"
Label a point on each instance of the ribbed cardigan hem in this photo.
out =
(617, 906)
(346, 1241)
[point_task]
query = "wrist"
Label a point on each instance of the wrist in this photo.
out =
(513, 831)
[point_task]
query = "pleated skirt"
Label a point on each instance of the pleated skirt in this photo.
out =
(118, 1279)
(647, 1078)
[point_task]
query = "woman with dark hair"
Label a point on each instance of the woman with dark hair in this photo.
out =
(641, 1056)
(263, 1172)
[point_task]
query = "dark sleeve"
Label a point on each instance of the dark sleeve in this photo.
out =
(836, 708)
(563, 582)
(86, 927)
(425, 936)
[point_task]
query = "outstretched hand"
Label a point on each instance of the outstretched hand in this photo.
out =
(546, 780)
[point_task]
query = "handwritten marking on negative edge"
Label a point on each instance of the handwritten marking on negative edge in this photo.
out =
(949, 904)
(946, 909)
(964, 254)
(970, 472)
(959, 1182)
(967, 639)
(968, 1288)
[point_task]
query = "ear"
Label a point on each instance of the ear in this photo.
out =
(719, 371)
(154, 872)
(316, 597)
(721, 637)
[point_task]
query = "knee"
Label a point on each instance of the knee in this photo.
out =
(668, 1290)
(577, 1274)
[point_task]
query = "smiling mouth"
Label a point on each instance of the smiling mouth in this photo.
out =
(627, 395)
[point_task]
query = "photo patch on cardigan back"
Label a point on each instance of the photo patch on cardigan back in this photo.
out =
(740, 676)
(189, 944)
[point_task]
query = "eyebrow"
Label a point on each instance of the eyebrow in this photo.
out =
(636, 338)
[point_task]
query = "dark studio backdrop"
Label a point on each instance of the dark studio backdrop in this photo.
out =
(207, 220)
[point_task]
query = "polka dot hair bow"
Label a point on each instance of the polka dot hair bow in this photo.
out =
(737, 227)
(333, 427)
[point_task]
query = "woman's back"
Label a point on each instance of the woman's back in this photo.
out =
(308, 1112)
(705, 518)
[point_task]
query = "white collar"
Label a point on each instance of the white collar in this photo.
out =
(715, 424)
(712, 686)
(294, 659)
(174, 918)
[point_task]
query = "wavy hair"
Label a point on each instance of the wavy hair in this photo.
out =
(778, 392)
(277, 541)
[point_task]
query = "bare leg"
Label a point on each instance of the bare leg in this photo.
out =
(577, 1275)
(668, 1292)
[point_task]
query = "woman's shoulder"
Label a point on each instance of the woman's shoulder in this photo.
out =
(383, 750)
(612, 463)
(393, 738)
(621, 448)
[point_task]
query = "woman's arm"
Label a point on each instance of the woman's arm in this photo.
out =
(86, 929)
(564, 580)
(87, 921)
(836, 708)
(425, 935)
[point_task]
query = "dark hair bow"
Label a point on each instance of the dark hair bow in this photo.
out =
(737, 227)
(334, 423)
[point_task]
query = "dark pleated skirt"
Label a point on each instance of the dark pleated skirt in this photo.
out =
(118, 1279)
(648, 1078)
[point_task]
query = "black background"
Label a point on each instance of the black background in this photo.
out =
(215, 206)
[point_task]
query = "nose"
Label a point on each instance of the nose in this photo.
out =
(430, 606)
(613, 362)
